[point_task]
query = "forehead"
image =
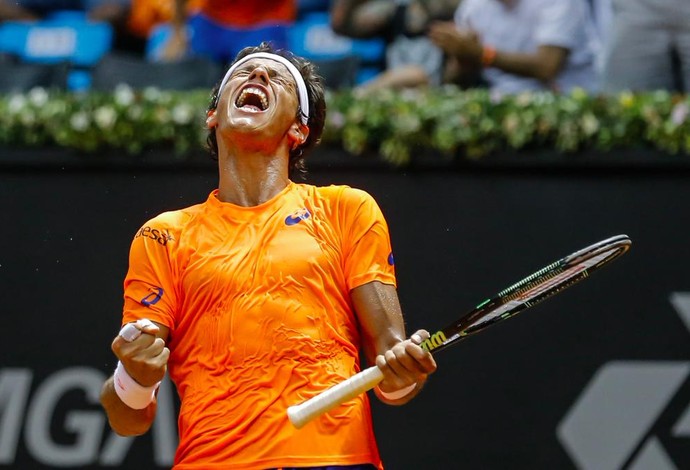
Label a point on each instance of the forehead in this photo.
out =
(269, 64)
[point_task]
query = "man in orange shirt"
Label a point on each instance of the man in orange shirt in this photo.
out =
(216, 29)
(263, 295)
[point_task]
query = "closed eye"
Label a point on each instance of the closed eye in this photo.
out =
(241, 73)
(273, 74)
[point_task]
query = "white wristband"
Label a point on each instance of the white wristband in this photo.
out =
(130, 391)
(398, 394)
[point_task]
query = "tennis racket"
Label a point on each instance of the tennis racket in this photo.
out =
(524, 294)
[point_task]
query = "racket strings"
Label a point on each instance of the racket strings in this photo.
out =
(530, 291)
(529, 296)
(528, 283)
(577, 277)
(557, 269)
(538, 289)
(534, 282)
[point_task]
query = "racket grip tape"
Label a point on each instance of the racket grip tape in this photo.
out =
(364, 381)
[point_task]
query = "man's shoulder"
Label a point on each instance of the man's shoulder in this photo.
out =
(341, 193)
(176, 218)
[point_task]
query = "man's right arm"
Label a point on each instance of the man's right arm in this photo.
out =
(466, 47)
(145, 361)
(177, 44)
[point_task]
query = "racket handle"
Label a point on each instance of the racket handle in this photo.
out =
(301, 414)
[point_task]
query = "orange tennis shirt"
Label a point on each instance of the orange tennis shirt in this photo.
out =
(258, 304)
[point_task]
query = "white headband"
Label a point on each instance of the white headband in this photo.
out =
(301, 87)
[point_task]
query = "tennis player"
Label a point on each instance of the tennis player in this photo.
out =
(263, 295)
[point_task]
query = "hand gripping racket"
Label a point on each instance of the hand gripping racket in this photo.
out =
(526, 293)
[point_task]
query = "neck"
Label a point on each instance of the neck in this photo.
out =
(251, 180)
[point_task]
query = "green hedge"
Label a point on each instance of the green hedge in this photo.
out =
(440, 123)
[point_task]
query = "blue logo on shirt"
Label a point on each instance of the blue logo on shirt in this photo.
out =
(155, 294)
(391, 260)
(297, 216)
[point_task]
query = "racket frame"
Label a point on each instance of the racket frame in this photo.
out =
(524, 294)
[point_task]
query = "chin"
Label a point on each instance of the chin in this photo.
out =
(245, 124)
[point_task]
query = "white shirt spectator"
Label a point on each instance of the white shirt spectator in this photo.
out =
(523, 26)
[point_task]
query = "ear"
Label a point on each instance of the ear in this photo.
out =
(211, 119)
(297, 134)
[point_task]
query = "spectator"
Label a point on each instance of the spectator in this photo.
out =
(34, 10)
(219, 29)
(601, 12)
(146, 15)
(649, 46)
(518, 45)
(114, 12)
(411, 58)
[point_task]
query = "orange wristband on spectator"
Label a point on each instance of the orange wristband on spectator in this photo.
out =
(488, 56)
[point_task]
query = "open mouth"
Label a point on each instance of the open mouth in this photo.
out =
(252, 99)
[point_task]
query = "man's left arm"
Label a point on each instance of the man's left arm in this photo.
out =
(544, 65)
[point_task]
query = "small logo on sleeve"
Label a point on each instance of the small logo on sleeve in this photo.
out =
(160, 236)
(152, 298)
(297, 216)
(391, 260)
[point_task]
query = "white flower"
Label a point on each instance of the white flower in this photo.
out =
(182, 114)
(407, 123)
(524, 98)
(105, 117)
(54, 109)
(157, 96)
(511, 123)
(16, 103)
(409, 94)
(152, 94)
(495, 96)
(680, 113)
(541, 98)
(38, 96)
(134, 112)
(162, 115)
(336, 119)
(27, 117)
(124, 96)
(79, 121)
(590, 124)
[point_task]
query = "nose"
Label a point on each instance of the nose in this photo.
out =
(260, 73)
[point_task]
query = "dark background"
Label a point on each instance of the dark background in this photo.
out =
(460, 234)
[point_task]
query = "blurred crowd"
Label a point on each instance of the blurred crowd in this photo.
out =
(506, 45)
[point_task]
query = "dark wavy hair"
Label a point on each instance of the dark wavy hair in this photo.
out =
(317, 105)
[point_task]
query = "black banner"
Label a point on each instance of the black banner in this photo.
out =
(596, 377)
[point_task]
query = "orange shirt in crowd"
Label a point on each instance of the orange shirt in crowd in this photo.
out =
(146, 14)
(243, 13)
(258, 306)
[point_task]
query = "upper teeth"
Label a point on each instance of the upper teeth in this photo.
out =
(253, 91)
